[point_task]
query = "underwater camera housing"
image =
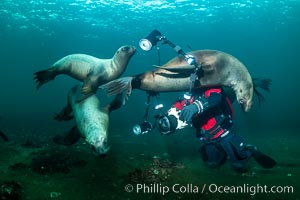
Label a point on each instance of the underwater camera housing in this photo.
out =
(142, 128)
(170, 122)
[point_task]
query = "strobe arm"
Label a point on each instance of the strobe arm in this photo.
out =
(190, 59)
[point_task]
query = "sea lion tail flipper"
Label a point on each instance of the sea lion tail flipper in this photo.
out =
(118, 86)
(118, 101)
(64, 114)
(70, 138)
(263, 84)
(3, 136)
(44, 76)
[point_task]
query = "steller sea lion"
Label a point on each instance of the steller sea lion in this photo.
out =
(217, 68)
(89, 69)
(92, 121)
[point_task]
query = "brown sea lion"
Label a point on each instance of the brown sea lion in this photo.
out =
(217, 68)
(92, 71)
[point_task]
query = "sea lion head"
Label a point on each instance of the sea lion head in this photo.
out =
(244, 94)
(98, 143)
(124, 53)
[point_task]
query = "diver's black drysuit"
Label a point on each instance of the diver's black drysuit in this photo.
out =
(210, 111)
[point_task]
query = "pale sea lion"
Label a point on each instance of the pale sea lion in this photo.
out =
(217, 68)
(92, 120)
(92, 71)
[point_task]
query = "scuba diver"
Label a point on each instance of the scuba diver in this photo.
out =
(208, 109)
(210, 112)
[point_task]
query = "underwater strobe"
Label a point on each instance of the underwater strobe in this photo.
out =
(155, 36)
(151, 40)
(145, 126)
(142, 128)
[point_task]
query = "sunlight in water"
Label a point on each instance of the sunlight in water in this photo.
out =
(106, 14)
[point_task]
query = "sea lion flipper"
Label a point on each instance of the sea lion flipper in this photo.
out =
(70, 138)
(86, 88)
(64, 114)
(86, 92)
(183, 70)
(177, 75)
(118, 101)
(117, 86)
(89, 86)
(263, 84)
(43, 76)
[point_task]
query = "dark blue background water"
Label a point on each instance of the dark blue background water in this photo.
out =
(264, 35)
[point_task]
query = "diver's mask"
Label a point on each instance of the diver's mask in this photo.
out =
(142, 128)
(170, 122)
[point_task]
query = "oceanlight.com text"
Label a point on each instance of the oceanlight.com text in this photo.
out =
(250, 189)
(158, 188)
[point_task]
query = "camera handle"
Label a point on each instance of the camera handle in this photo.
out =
(147, 107)
(145, 126)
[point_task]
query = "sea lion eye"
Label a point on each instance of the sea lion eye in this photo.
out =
(241, 90)
(125, 48)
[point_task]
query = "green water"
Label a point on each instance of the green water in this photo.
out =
(264, 35)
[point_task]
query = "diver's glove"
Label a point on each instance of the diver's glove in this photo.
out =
(189, 111)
